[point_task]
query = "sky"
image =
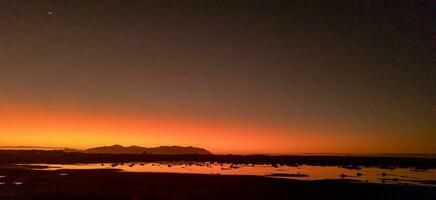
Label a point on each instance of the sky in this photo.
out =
(236, 77)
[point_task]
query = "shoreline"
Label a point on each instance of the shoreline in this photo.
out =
(61, 157)
(110, 184)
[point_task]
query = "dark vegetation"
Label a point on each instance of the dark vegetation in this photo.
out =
(61, 157)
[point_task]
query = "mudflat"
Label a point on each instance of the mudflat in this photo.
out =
(22, 183)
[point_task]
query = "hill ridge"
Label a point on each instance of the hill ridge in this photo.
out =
(133, 149)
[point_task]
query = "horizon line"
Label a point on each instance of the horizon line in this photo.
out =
(11, 147)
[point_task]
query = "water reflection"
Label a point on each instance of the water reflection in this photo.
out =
(288, 175)
(303, 172)
(17, 183)
(2, 183)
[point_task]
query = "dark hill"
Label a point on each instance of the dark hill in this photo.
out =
(166, 150)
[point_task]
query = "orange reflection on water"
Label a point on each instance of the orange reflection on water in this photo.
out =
(304, 172)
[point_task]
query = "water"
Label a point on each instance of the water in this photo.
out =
(304, 172)
(17, 183)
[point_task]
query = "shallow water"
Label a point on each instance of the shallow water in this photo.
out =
(304, 172)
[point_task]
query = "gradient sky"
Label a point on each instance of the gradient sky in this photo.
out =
(229, 76)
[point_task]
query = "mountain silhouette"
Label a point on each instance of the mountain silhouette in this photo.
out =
(169, 150)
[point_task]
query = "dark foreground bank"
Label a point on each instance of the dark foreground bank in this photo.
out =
(110, 184)
(61, 157)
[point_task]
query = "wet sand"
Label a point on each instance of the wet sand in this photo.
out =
(25, 183)
(21, 183)
(61, 157)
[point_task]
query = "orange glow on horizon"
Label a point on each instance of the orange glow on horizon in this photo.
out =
(74, 128)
